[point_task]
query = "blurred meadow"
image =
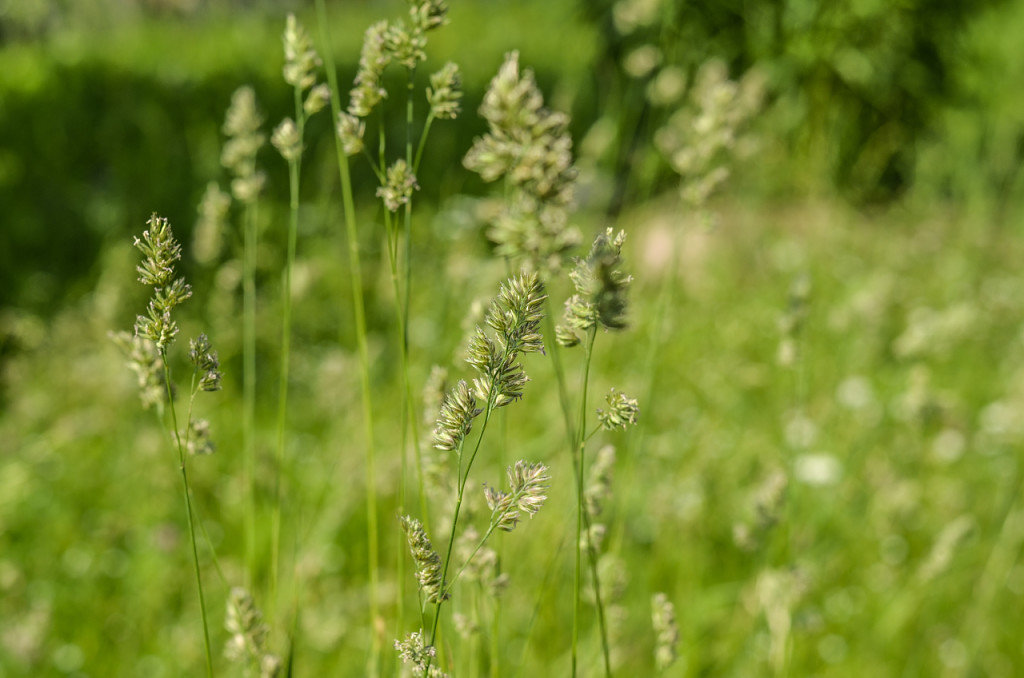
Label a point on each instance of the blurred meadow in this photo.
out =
(823, 206)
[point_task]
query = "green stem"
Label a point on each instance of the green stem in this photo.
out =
(578, 457)
(249, 383)
(495, 664)
(408, 408)
(188, 512)
(389, 229)
(570, 431)
(423, 143)
(359, 313)
(583, 522)
(556, 359)
(286, 331)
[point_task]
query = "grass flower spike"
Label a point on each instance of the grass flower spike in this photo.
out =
(157, 329)
(530, 147)
(300, 59)
(248, 641)
(208, 235)
(514, 315)
(204, 359)
(161, 250)
(663, 618)
(525, 496)
(621, 413)
(456, 418)
(600, 297)
(428, 562)
(350, 130)
(242, 127)
(287, 140)
(144, 360)
(414, 650)
(368, 90)
(445, 92)
(398, 188)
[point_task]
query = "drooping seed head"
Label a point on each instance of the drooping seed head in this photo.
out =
(663, 618)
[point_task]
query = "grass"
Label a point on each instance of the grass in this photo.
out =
(92, 526)
(825, 477)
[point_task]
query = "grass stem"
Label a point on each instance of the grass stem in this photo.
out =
(359, 316)
(188, 513)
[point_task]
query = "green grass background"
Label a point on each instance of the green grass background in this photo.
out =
(908, 383)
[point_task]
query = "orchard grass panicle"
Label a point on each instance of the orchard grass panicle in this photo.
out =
(530, 148)
(157, 329)
(242, 124)
(513, 318)
(428, 563)
(621, 413)
(599, 301)
(143, 359)
(663, 618)
(414, 651)
(525, 495)
(247, 643)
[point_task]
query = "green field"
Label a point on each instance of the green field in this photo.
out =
(825, 477)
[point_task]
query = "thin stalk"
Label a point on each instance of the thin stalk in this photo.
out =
(571, 433)
(407, 408)
(286, 332)
(495, 665)
(249, 383)
(415, 163)
(359, 313)
(563, 391)
(188, 512)
(401, 317)
(578, 454)
(389, 229)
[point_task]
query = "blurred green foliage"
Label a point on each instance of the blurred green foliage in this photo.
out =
(99, 128)
(894, 420)
(858, 88)
(876, 359)
(111, 109)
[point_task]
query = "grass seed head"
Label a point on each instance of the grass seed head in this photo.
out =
(663, 618)
(445, 92)
(456, 418)
(373, 59)
(350, 130)
(398, 186)
(287, 141)
(428, 562)
(300, 59)
(621, 413)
